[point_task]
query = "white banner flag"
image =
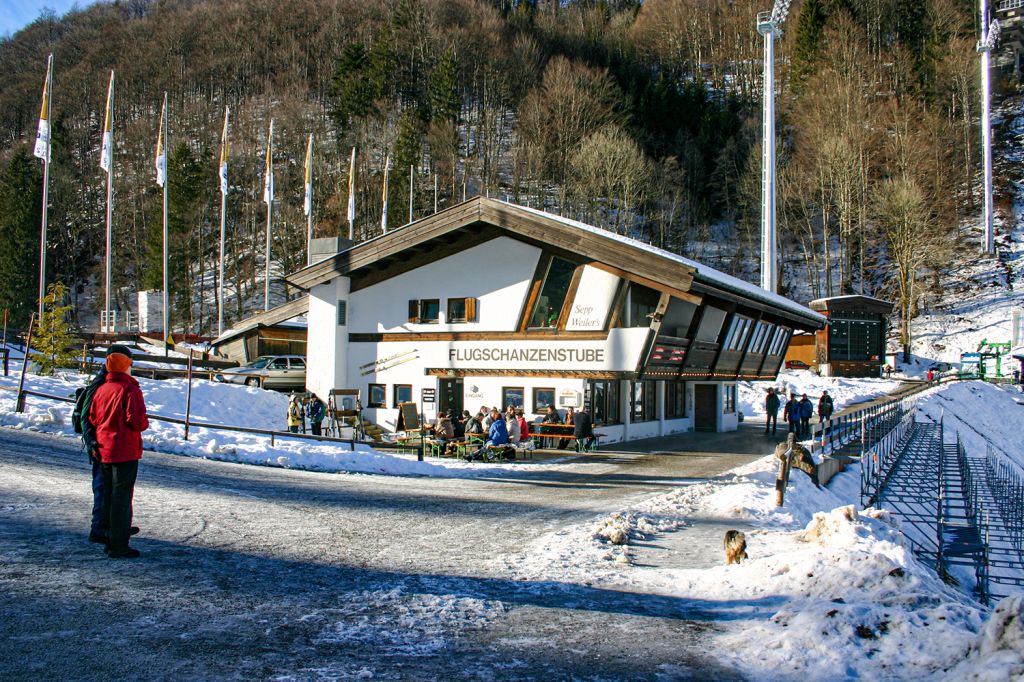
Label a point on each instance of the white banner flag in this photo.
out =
(42, 149)
(268, 171)
(307, 204)
(352, 189)
(161, 150)
(107, 153)
(224, 151)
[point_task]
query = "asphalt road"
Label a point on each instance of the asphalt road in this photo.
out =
(258, 573)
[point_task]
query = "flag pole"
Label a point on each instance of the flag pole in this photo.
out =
(108, 130)
(308, 201)
(46, 187)
(223, 171)
(411, 178)
(268, 196)
(167, 298)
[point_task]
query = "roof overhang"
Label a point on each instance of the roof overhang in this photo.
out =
(480, 219)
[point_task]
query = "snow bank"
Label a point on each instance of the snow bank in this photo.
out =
(980, 413)
(232, 405)
(844, 392)
(823, 595)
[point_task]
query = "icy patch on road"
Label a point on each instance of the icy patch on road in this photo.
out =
(399, 624)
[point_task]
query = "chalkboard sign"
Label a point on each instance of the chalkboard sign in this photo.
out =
(408, 417)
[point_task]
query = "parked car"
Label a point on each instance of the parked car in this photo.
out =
(797, 364)
(269, 371)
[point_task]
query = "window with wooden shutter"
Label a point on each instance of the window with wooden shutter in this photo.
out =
(471, 308)
(414, 311)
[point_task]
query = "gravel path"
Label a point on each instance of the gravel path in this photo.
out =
(259, 573)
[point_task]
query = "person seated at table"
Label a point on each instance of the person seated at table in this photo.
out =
(443, 430)
(474, 427)
(570, 417)
(512, 426)
(497, 435)
(551, 416)
(524, 428)
(460, 424)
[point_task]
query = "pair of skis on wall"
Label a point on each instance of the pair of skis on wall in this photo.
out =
(389, 362)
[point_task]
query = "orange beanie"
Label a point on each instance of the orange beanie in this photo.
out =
(118, 362)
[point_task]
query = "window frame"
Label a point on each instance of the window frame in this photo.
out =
(728, 398)
(648, 411)
(424, 302)
(611, 398)
(394, 394)
(384, 395)
(540, 295)
(451, 317)
(675, 394)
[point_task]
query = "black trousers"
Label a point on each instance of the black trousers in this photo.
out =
(771, 421)
(118, 488)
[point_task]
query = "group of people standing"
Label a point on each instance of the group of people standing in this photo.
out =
(796, 413)
(312, 408)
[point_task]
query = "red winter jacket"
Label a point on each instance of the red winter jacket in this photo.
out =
(119, 414)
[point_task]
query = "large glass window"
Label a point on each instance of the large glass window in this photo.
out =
(552, 294)
(512, 395)
(604, 402)
(642, 304)
(729, 398)
(675, 399)
(710, 325)
(643, 399)
(738, 331)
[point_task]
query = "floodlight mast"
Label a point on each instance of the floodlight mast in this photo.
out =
(768, 24)
(989, 37)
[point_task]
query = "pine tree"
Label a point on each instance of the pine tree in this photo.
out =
(809, 27)
(54, 340)
(443, 90)
(21, 203)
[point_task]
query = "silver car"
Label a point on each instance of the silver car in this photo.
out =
(269, 371)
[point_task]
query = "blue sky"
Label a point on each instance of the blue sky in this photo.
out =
(15, 14)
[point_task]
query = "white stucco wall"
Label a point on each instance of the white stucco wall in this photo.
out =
(497, 273)
(327, 348)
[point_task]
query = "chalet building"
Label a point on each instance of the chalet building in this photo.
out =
(489, 303)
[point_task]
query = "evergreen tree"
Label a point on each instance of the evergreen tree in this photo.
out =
(53, 339)
(443, 90)
(809, 27)
(351, 91)
(21, 200)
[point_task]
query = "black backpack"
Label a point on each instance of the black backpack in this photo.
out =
(80, 415)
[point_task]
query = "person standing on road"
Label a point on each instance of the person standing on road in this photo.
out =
(317, 411)
(118, 413)
(825, 407)
(583, 430)
(791, 413)
(806, 410)
(771, 411)
(295, 414)
(80, 422)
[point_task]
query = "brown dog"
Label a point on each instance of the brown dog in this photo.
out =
(735, 547)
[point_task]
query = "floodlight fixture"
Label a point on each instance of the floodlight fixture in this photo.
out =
(989, 38)
(768, 25)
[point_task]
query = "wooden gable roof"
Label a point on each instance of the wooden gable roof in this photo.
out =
(480, 219)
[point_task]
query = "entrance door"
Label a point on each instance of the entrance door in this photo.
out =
(451, 396)
(705, 404)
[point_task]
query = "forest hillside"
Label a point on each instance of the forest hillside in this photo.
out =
(639, 117)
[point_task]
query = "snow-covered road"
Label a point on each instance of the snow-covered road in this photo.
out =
(259, 573)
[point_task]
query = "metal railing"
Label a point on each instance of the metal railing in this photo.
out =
(1006, 481)
(273, 435)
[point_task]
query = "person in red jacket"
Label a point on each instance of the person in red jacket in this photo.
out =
(118, 413)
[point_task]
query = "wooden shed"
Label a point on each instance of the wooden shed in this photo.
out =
(853, 342)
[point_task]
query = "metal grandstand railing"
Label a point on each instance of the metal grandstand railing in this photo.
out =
(1006, 5)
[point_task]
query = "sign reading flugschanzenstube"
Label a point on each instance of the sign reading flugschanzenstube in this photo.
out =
(505, 354)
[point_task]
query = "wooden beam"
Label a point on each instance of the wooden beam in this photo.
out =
(532, 335)
(537, 373)
(570, 296)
